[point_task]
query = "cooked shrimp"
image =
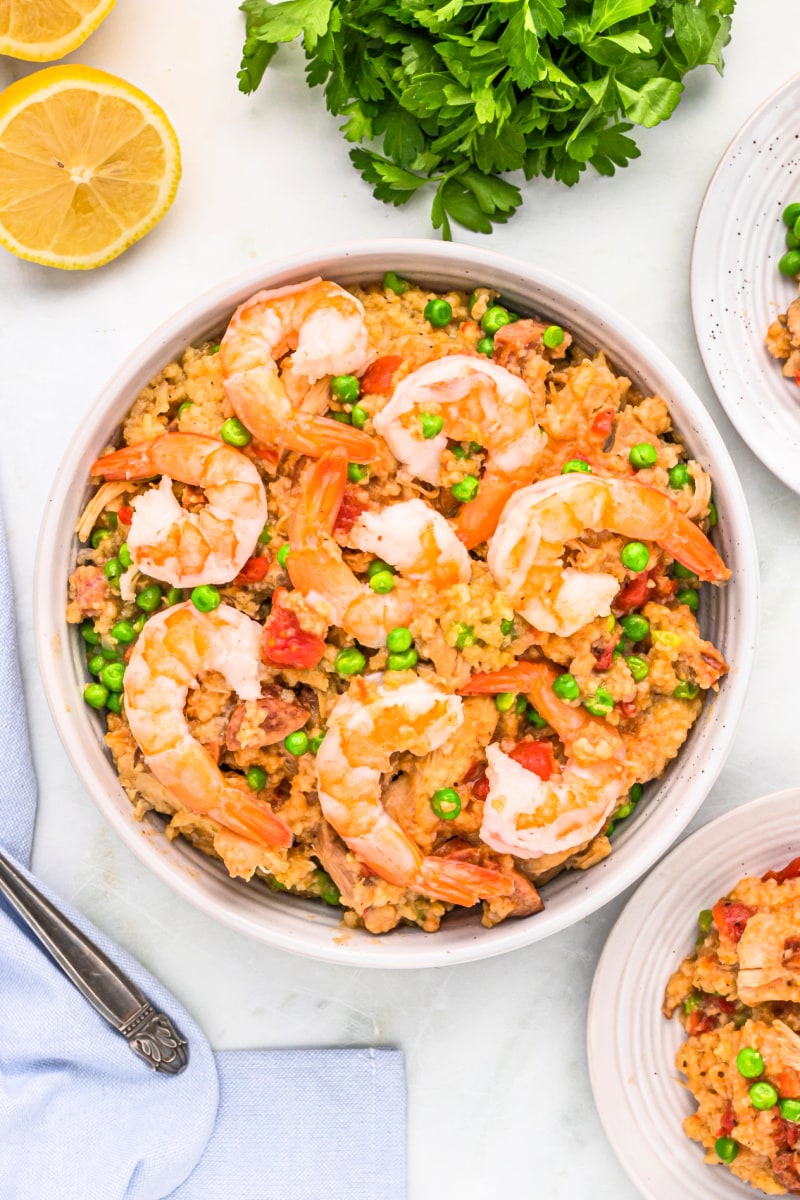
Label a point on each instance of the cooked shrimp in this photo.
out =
(324, 327)
(769, 956)
(317, 569)
(526, 553)
(173, 648)
(478, 402)
(366, 726)
(415, 539)
(532, 817)
(189, 548)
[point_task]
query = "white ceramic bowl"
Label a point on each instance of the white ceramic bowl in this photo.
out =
(729, 617)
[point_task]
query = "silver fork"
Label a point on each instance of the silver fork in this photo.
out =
(150, 1034)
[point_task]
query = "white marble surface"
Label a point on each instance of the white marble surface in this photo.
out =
(499, 1097)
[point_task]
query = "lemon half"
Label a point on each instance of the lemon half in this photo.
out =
(41, 30)
(88, 164)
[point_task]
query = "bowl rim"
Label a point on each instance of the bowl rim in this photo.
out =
(405, 948)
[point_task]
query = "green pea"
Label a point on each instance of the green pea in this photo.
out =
(139, 622)
(726, 1149)
(512, 317)
(682, 572)
(446, 803)
(486, 346)
(635, 626)
(475, 448)
(791, 213)
(316, 741)
(96, 664)
(679, 476)
(459, 452)
(432, 424)
(790, 263)
(99, 536)
(124, 632)
(576, 464)
(643, 455)
(265, 537)
(256, 778)
(358, 416)
(296, 743)
(792, 240)
(356, 473)
(535, 719)
(566, 687)
(402, 662)
(506, 627)
(705, 920)
(112, 519)
(214, 349)
(394, 283)
(438, 313)
(149, 598)
(749, 1062)
(112, 569)
(206, 597)
(328, 891)
(494, 318)
(505, 701)
(344, 418)
(346, 388)
(382, 582)
(283, 553)
(689, 597)
(114, 703)
(277, 885)
(109, 653)
(635, 793)
(378, 566)
(521, 705)
(635, 556)
(88, 633)
(349, 661)
(465, 636)
(466, 489)
(638, 667)
(234, 433)
(553, 336)
(713, 516)
(686, 691)
(624, 811)
(95, 695)
(124, 556)
(399, 639)
(183, 407)
(763, 1095)
(174, 596)
(112, 675)
(600, 704)
(692, 1002)
(790, 1110)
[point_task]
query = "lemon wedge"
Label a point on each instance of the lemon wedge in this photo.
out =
(41, 30)
(88, 165)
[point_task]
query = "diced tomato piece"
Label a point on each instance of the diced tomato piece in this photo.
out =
(730, 918)
(354, 503)
(254, 570)
(602, 423)
(266, 454)
(728, 1121)
(797, 378)
(701, 1022)
(604, 653)
(125, 514)
(632, 595)
(792, 1133)
(790, 871)
(725, 1005)
(788, 1083)
(378, 376)
(627, 708)
(536, 757)
(285, 642)
(480, 788)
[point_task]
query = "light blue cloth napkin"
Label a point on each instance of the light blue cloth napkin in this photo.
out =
(81, 1118)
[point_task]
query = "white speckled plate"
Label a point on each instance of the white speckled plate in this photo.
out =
(737, 290)
(631, 1046)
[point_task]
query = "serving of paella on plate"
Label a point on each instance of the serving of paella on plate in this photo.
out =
(390, 598)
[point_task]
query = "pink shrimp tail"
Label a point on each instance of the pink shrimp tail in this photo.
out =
(477, 520)
(461, 882)
(321, 494)
(252, 819)
(535, 680)
(131, 462)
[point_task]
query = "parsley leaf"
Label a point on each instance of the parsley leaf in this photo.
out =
(447, 96)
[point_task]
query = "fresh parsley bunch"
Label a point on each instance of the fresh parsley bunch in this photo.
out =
(456, 93)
